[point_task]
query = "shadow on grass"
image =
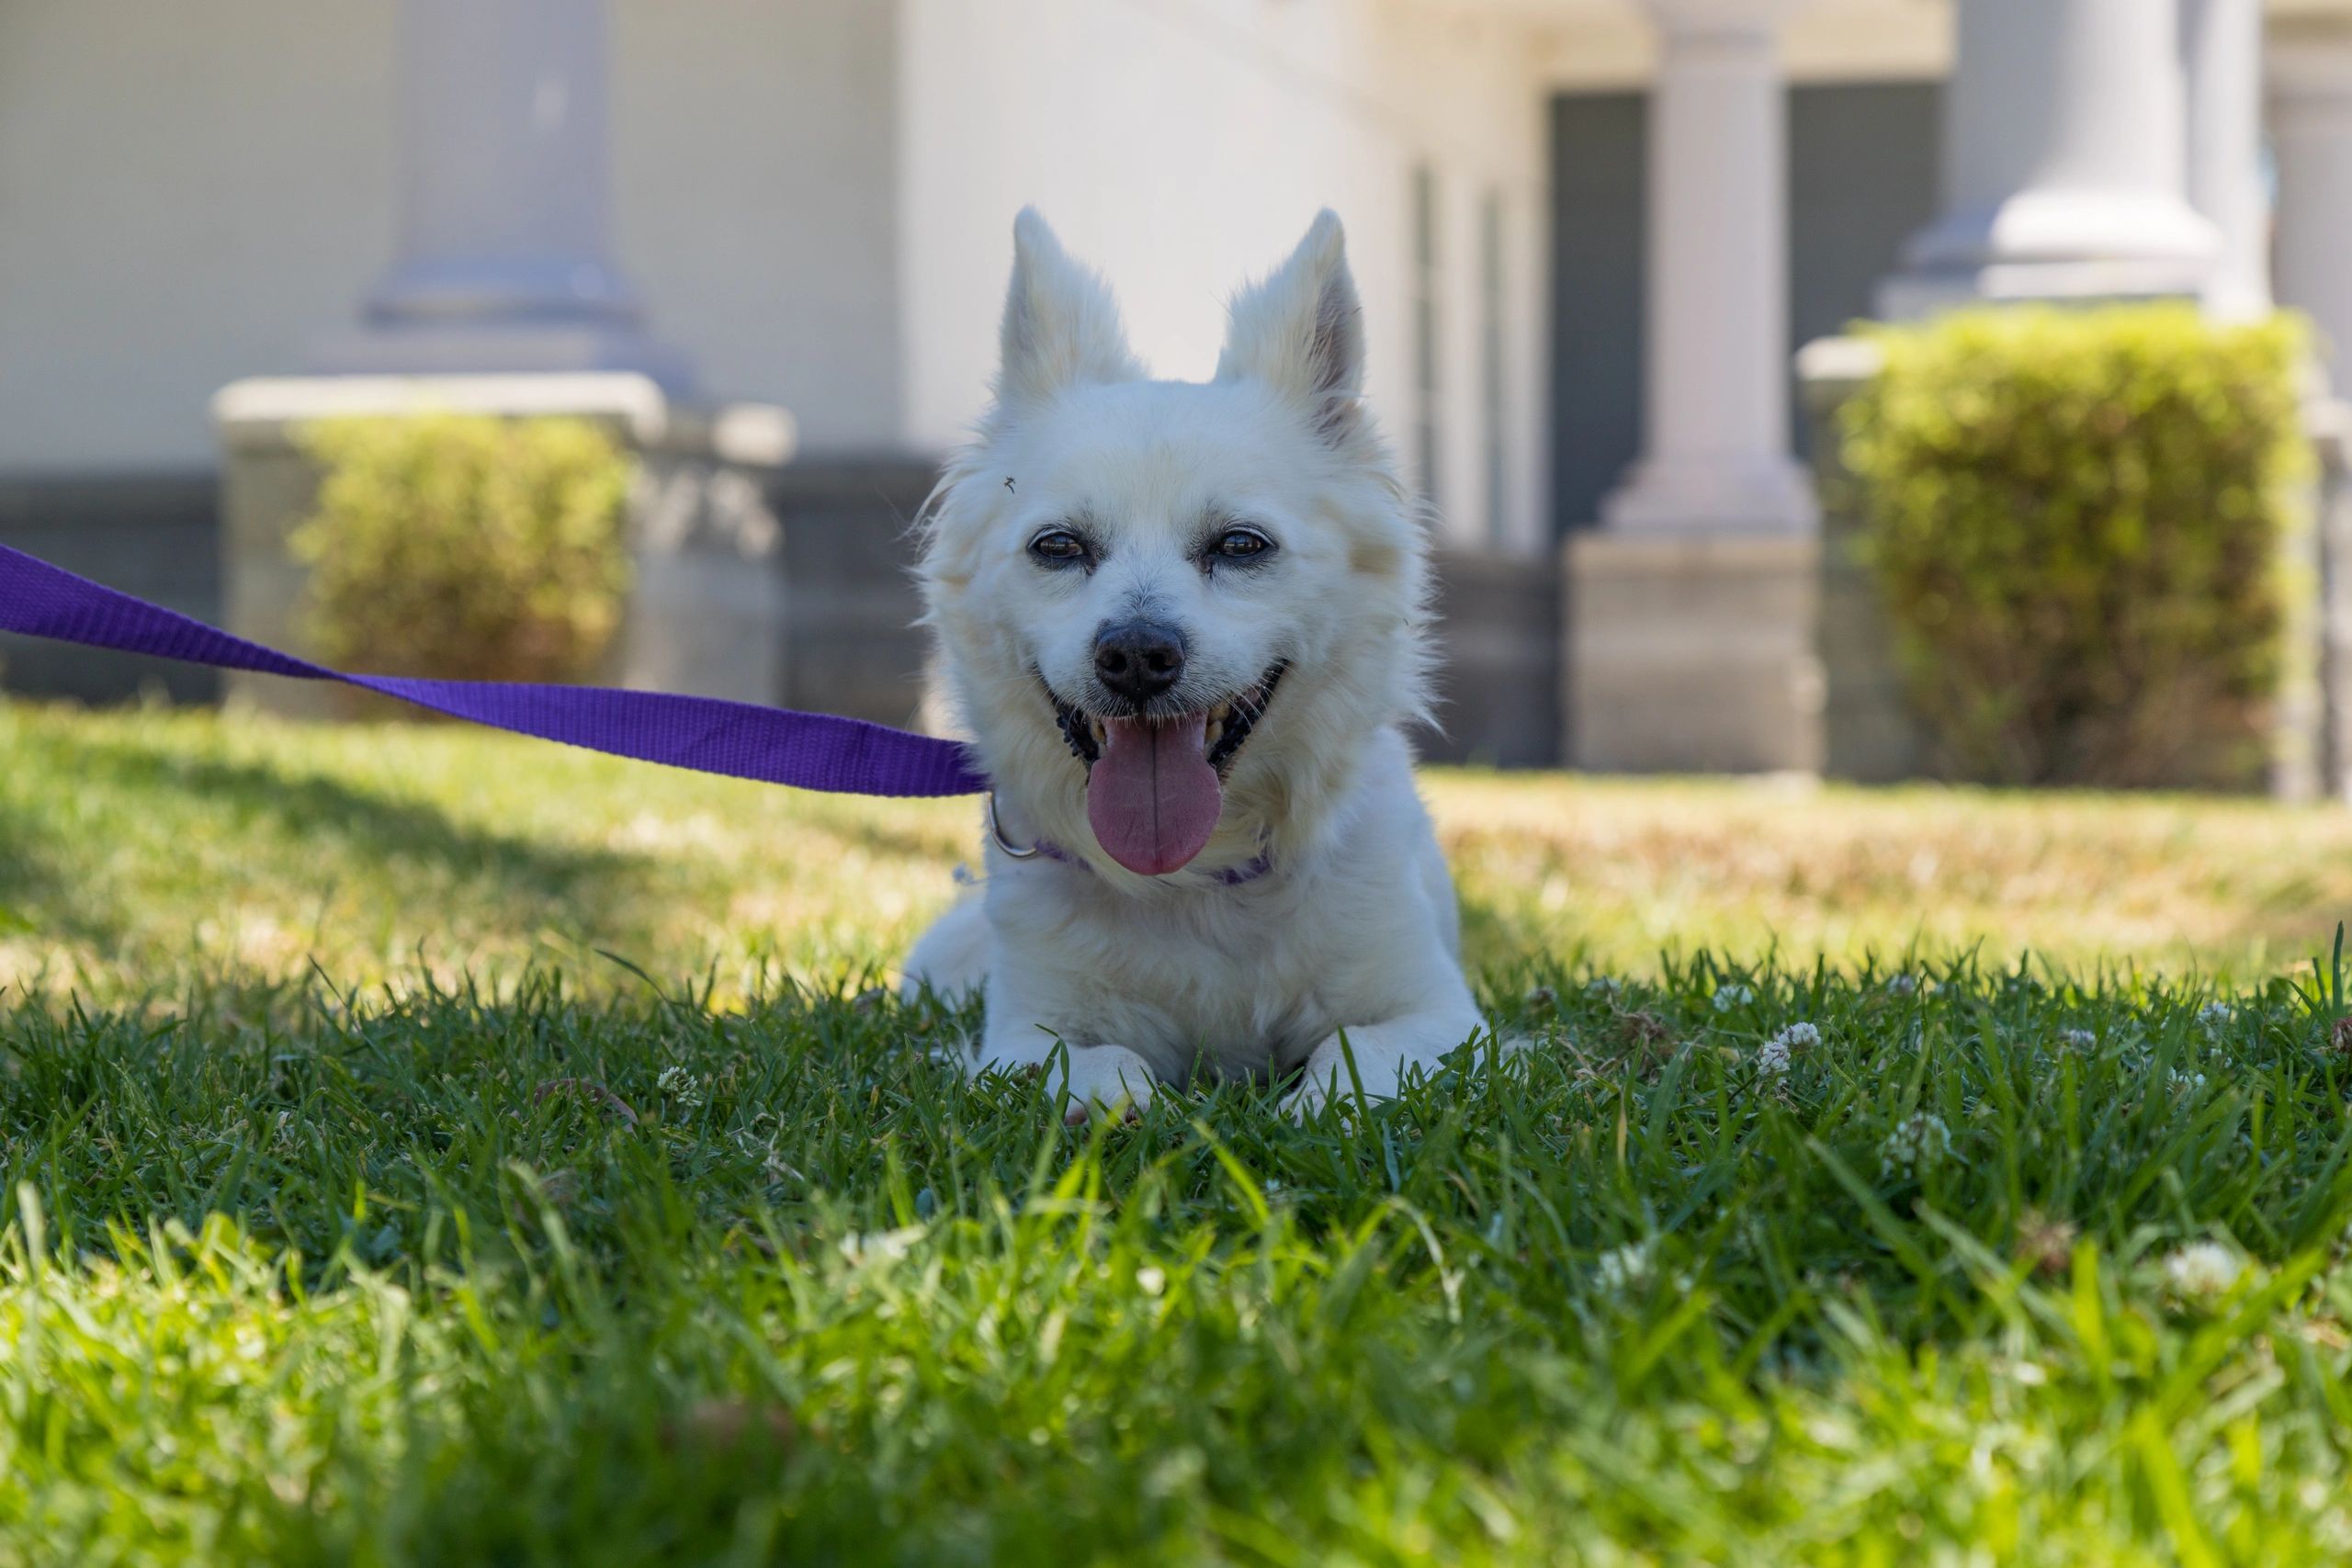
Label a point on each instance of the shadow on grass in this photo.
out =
(306, 830)
(881, 836)
(1498, 942)
(30, 877)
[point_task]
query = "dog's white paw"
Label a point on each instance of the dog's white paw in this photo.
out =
(1105, 1081)
(1323, 1080)
(1348, 1068)
(1317, 1091)
(1307, 1101)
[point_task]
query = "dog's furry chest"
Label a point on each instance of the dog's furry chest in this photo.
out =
(1232, 981)
(1346, 931)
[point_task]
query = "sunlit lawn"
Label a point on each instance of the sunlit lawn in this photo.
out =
(137, 851)
(421, 1147)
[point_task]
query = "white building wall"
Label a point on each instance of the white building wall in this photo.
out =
(1182, 145)
(756, 150)
(190, 193)
(187, 193)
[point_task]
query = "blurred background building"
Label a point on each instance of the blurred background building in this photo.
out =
(1591, 235)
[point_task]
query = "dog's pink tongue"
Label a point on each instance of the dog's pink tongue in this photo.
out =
(1153, 798)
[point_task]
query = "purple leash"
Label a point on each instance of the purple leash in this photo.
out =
(807, 750)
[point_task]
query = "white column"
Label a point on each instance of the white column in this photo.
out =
(2065, 160)
(2221, 53)
(1716, 410)
(504, 215)
(2311, 131)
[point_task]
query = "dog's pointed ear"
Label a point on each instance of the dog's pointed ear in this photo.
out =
(1302, 331)
(1061, 324)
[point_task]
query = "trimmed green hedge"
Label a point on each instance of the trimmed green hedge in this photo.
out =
(2075, 519)
(465, 547)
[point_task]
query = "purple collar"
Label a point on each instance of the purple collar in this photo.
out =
(1231, 877)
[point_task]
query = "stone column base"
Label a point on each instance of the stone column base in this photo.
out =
(1497, 687)
(706, 610)
(2330, 727)
(541, 349)
(1869, 734)
(1692, 651)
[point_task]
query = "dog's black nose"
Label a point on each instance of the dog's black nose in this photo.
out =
(1138, 659)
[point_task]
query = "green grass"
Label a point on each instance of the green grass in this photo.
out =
(356, 1209)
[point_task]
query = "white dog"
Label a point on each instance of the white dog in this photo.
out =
(1181, 623)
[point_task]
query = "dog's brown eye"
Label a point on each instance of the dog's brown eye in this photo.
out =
(1057, 546)
(1242, 544)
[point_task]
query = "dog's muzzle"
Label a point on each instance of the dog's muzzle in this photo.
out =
(1230, 722)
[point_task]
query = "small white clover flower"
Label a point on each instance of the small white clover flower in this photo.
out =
(1625, 1268)
(1903, 984)
(2184, 1083)
(1773, 1056)
(2202, 1270)
(680, 1085)
(1730, 996)
(880, 1247)
(2213, 1015)
(2077, 1039)
(1917, 1143)
(1603, 986)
